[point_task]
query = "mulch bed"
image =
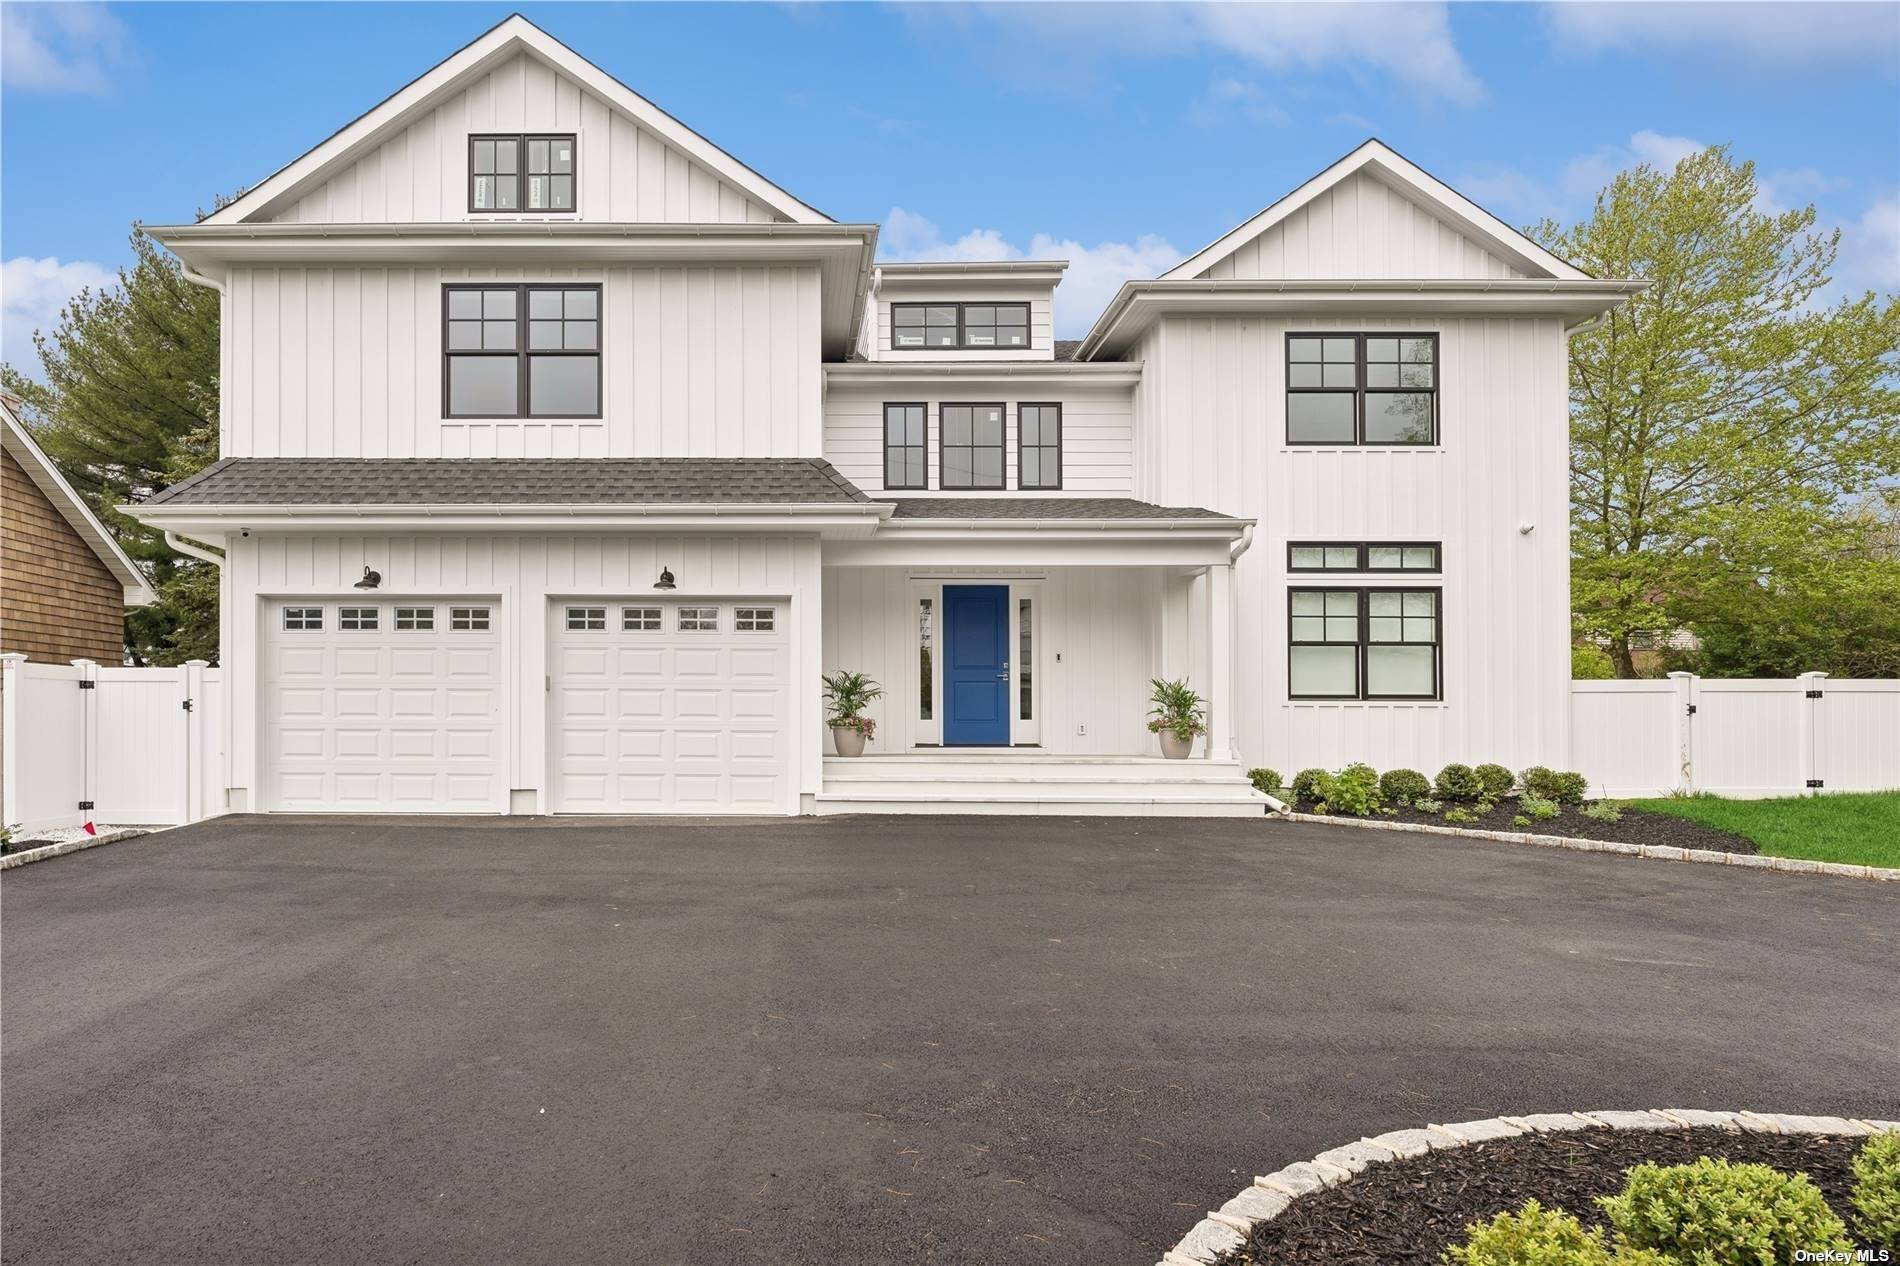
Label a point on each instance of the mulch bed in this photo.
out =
(1636, 827)
(1409, 1211)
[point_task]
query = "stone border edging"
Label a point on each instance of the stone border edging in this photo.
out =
(1663, 852)
(1227, 1228)
(31, 855)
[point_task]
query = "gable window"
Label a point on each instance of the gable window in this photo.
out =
(1039, 446)
(972, 446)
(521, 351)
(521, 173)
(1420, 556)
(1363, 643)
(1361, 389)
(905, 463)
(939, 326)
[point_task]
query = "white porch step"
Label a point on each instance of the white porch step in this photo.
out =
(1030, 782)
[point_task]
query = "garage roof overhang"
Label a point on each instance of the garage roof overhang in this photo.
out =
(219, 523)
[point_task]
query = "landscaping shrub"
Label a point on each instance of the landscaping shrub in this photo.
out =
(1426, 805)
(1456, 814)
(1603, 811)
(1265, 781)
(1354, 790)
(1403, 786)
(1713, 1213)
(1306, 784)
(1877, 1192)
(1565, 788)
(1496, 780)
(1536, 1236)
(1537, 808)
(1520, 821)
(1458, 783)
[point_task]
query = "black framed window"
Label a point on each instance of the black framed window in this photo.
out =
(906, 455)
(940, 326)
(972, 446)
(521, 351)
(1381, 556)
(532, 172)
(1039, 446)
(1364, 643)
(1362, 389)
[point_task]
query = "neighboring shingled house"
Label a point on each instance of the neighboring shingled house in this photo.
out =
(64, 582)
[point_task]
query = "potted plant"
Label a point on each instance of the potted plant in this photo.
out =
(846, 695)
(1178, 716)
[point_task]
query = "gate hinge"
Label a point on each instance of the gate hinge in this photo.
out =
(1814, 694)
(185, 704)
(1816, 784)
(1692, 709)
(87, 683)
(85, 804)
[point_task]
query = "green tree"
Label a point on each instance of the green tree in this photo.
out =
(1721, 419)
(129, 405)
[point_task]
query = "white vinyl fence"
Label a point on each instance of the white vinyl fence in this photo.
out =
(85, 743)
(1743, 738)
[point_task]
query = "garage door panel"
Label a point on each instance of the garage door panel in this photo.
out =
(697, 719)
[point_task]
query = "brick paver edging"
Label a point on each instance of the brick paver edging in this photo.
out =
(1227, 1228)
(1750, 861)
(68, 846)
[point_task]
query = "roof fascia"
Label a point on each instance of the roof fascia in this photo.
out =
(46, 477)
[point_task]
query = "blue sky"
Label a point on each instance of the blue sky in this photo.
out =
(1121, 136)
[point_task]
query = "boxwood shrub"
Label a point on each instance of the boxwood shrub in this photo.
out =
(1459, 784)
(1497, 781)
(1564, 788)
(1265, 781)
(1876, 1193)
(1308, 783)
(1536, 1236)
(1403, 786)
(1714, 1213)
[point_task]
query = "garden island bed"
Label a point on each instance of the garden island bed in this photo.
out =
(1408, 1212)
(1634, 826)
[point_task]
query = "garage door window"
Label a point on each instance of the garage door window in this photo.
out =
(587, 619)
(415, 619)
(640, 619)
(699, 619)
(303, 619)
(356, 619)
(753, 619)
(468, 619)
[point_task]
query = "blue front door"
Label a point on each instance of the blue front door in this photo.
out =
(976, 665)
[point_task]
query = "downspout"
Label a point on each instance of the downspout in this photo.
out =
(197, 278)
(200, 552)
(1242, 545)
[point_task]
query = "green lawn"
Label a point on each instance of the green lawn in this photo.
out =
(1859, 829)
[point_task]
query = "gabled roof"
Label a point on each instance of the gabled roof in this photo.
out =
(1384, 164)
(18, 443)
(514, 34)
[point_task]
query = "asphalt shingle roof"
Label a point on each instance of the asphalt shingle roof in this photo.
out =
(1041, 508)
(513, 481)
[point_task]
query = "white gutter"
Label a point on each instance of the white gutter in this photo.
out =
(189, 550)
(202, 510)
(197, 278)
(1244, 544)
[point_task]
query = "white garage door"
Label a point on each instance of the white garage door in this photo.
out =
(383, 706)
(671, 707)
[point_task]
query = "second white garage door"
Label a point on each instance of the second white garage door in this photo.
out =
(679, 706)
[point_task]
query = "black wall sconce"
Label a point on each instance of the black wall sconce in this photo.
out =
(666, 578)
(370, 579)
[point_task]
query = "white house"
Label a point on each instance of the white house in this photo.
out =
(562, 452)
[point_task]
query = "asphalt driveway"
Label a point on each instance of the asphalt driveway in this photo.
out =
(851, 1040)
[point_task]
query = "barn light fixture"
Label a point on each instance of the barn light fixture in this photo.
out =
(666, 578)
(370, 579)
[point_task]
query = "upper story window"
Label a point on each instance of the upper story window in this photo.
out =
(947, 326)
(904, 448)
(1377, 556)
(521, 351)
(521, 173)
(1039, 446)
(972, 445)
(1361, 389)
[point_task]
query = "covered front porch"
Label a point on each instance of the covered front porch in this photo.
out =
(1016, 658)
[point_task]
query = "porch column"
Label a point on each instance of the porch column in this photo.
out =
(1220, 662)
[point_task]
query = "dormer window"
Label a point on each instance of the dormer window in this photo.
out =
(951, 326)
(521, 173)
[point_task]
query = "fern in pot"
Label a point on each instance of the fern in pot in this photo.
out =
(1178, 716)
(846, 697)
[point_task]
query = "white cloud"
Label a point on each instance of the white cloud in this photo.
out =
(1788, 36)
(1095, 272)
(1227, 99)
(32, 292)
(1870, 250)
(1056, 46)
(60, 48)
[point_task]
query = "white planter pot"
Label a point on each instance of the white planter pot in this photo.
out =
(1174, 747)
(848, 741)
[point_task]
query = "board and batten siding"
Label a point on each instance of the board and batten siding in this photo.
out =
(1097, 433)
(522, 574)
(625, 172)
(698, 361)
(1042, 329)
(1104, 622)
(1211, 427)
(1359, 228)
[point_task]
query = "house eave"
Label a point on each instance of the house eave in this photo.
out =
(222, 521)
(1063, 373)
